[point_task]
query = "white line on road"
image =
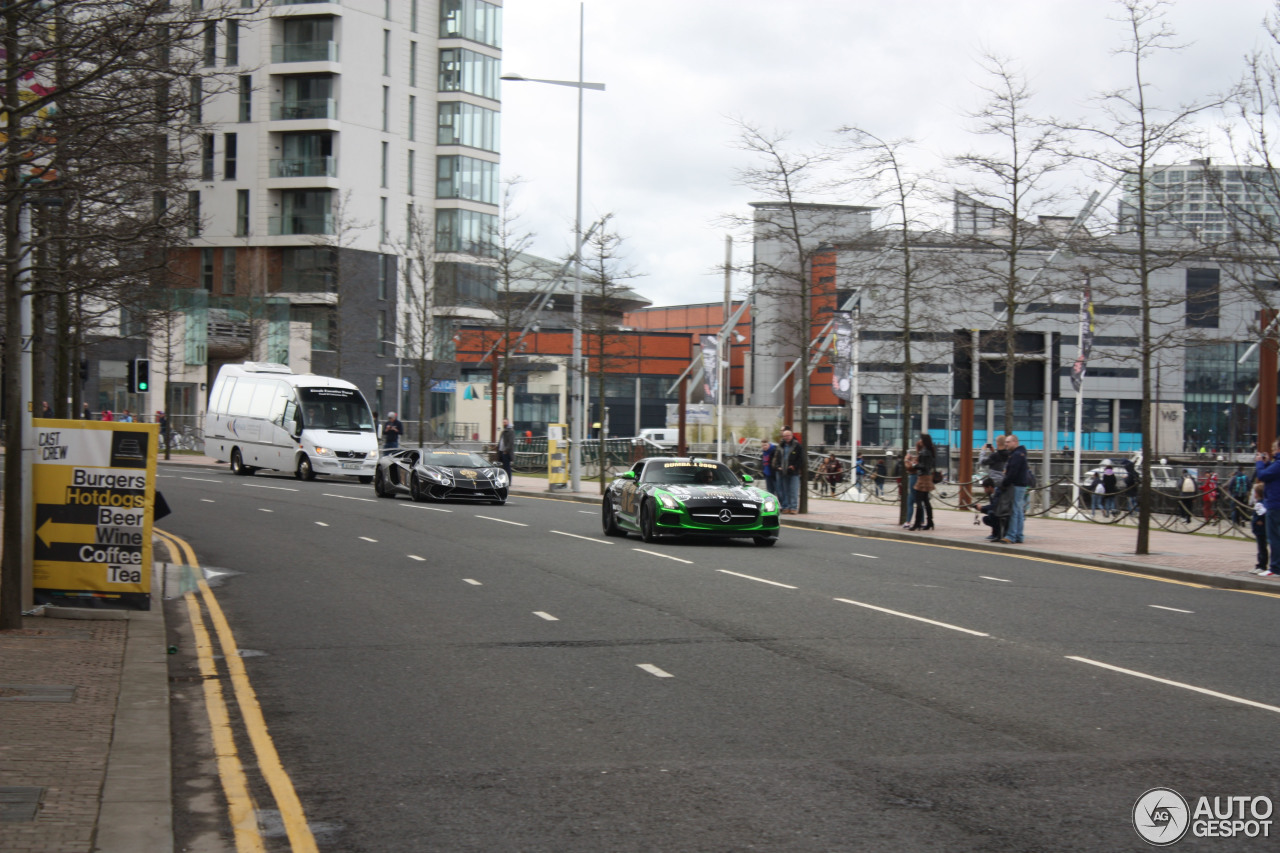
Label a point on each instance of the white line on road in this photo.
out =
(1174, 609)
(261, 486)
(502, 520)
(349, 498)
(260, 509)
(473, 583)
(653, 670)
(207, 500)
(868, 556)
(416, 557)
(323, 523)
(588, 538)
(761, 580)
(432, 508)
(1191, 687)
(546, 616)
(586, 512)
(916, 618)
(201, 480)
(989, 578)
(367, 539)
(667, 556)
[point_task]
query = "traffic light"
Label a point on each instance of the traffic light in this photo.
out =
(142, 375)
(84, 370)
(131, 373)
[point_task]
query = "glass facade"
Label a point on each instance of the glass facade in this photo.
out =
(308, 269)
(464, 284)
(466, 231)
(1217, 416)
(467, 177)
(475, 20)
(469, 125)
(463, 70)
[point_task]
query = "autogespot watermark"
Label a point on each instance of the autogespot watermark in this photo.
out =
(1162, 817)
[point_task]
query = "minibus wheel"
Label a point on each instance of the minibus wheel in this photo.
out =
(305, 471)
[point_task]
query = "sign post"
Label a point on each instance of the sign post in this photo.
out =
(94, 488)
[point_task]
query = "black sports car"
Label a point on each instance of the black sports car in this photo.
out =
(440, 475)
(671, 495)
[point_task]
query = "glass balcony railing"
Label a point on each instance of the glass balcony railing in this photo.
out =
(305, 51)
(304, 167)
(287, 225)
(304, 108)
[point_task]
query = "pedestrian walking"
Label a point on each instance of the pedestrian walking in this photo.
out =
(391, 432)
(907, 486)
(1096, 490)
(880, 473)
(859, 471)
(506, 447)
(830, 473)
(1110, 488)
(85, 413)
(1209, 495)
(107, 415)
(1241, 491)
(924, 483)
(1259, 526)
(766, 467)
(1130, 485)
(1187, 491)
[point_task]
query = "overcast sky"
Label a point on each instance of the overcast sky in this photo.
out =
(659, 142)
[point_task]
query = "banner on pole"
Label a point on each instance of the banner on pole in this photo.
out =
(710, 369)
(1086, 337)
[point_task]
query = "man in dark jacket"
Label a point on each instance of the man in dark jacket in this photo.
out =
(506, 447)
(1016, 478)
(1267, 471)
(788, 465)
(391, 432)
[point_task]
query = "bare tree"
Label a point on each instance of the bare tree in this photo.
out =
(1136, 133)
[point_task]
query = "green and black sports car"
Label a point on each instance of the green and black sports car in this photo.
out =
(663, 496)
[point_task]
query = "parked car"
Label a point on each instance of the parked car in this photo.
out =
(440, 475)
(667, 495)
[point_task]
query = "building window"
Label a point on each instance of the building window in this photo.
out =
(413, 63)
(386, 53)
(209, 56)
(386, 153)
(467, 178)
(381, 332)
(464, 70)
(308, 270)
(466, 231)
(464, 284)
(409, 167)
(467, 124)
(408, 226)
(242, 213)
(233, 42)
(320, 319)
(228, 271)
(206, 269)
(413, 15)
(196, 106)
(229, 146)
(386, 109)
(1202, 298)
(246, 98)
(475, 20)
(206, 157)
(193, 214)
(382, 219)
(382, 276)
(413, 118)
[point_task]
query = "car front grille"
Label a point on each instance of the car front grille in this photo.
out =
(723, 513)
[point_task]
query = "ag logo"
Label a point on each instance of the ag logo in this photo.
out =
(1161, 817)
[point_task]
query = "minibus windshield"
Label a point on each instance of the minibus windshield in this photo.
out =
(335, 409)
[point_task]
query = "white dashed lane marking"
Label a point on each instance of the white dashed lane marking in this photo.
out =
(587, 538)
(761, 580)
(867, 556)
(1174, 609)
(201, 480)
(261, 486)
(260, 509)
(322, 523)
(989, 578)
(432, 508)
(473, 583)
(502, 520)
(653, 670)
(349, 498)
(664, 556)
(543, 615)
(916, 618)
(367, 539)
(1190, 687)
(416, 557)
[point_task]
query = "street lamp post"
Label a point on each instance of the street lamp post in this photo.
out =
(575, 416)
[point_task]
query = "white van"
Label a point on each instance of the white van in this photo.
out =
(668, 437)
(266, 416)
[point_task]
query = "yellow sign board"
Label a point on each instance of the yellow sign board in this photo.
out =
(557, 470)
(94, 490)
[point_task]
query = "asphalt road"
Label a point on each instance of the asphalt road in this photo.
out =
(479, 678)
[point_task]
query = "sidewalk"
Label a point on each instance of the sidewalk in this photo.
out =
(84, 702)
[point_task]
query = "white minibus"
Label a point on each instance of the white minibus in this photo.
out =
(264, 415)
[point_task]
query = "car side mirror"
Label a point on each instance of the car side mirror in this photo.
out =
(627, 475)
(748, 479)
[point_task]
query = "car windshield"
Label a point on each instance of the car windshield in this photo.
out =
(341, 409)
(689, 473)
(454, 459)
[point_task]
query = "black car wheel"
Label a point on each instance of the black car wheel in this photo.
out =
(237, 464)
(415, 489)
(609, 521)
(305, 471)
(648, 531)
(765, 541)
(380, 485)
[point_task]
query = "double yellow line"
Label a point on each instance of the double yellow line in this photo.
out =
(243, 812)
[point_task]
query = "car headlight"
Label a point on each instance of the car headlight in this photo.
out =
(770, 505)
(372, 454)
(323, 451)
(440, 476)
(499, 477)
(669, 502)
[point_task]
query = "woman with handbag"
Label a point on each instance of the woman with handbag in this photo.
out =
(925, 456)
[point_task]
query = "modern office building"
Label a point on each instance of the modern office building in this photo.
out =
(1212, 203)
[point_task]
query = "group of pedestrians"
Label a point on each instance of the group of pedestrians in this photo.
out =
(1006, 488)
(1109, 487)
(782, 465)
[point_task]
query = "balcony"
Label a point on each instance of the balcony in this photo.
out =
(308, 108)
(304, 167)
(305, 51)
(281, 226)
